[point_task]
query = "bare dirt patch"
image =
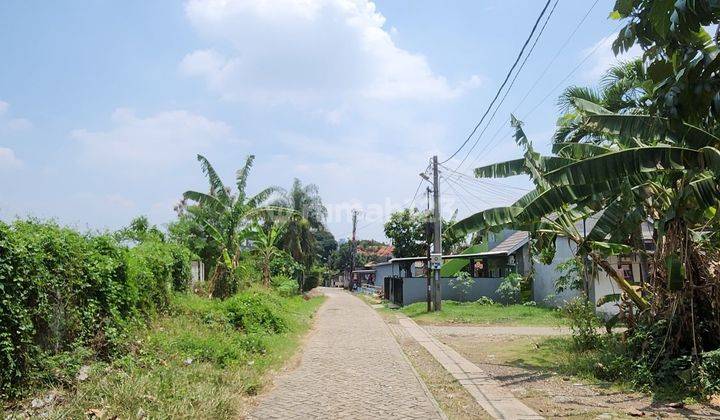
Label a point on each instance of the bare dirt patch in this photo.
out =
(554, 395)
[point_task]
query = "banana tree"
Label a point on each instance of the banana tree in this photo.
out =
(227, 217)
(265, 246)
(554, 209)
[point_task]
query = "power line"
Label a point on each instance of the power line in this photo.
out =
(542, 74)
(512, 83)
(407, 204)
(466, 191)
(507, 77)
(486, 183)
(458, 195)
(557, 54)
(560, 83)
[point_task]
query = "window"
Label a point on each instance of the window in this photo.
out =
(626, 270)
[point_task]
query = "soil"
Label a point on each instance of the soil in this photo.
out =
(553, 395)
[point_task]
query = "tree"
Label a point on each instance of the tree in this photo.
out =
(140, 230)
(406, 231)
(265, 247)
(299, 236)
(325, 244)
(341, 259)
(680, 56)
(645, 170)
(224, 218)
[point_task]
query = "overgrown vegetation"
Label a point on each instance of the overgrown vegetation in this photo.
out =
(198, 361)
(63, 294)
(509, 289)
(70, 302)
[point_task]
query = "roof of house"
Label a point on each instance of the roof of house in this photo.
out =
(364, 271)
(379, 250)
(512, 243)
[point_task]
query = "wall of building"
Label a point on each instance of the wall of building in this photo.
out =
(603, 285)
(415, 289)
(382, 271)
(546, 274)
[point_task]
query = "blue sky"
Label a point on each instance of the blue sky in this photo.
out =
(104, 105)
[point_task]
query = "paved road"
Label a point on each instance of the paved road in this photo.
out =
(351, 368)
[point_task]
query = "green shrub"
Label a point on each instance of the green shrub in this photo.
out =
(509, 289)
(283, 264)
(284, 285)
(709, 377)
(463, 283)
(583, 322)
(255, 311)
(485, 301)
(182, 258)
(61, 290)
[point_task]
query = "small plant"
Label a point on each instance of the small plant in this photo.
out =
(462, 283)
(255, 311)
(570, 276)
(509, 289)
(485, 301)
(584, 323)
(285, 285)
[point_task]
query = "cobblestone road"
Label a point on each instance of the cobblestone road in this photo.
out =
(351, 368)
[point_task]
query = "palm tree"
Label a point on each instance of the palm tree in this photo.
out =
(298, 238)
(265, 243)
(226, 218)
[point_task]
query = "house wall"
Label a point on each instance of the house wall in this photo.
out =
(600, 285)
(546, 274)
(382, 271)
(415, 289)
(603, 285)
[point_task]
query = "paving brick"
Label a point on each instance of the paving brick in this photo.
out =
(351, 367)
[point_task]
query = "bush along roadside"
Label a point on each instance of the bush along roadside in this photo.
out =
(199, 360)
(65, 296)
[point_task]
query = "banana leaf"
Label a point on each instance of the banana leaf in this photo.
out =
(624, 163)
(492, 218)
(629, 126)
(675, 273)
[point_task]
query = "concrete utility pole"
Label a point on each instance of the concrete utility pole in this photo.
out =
(437, 246)
(428, 235)
(353, 247)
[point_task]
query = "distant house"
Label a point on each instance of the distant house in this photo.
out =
(404, 280)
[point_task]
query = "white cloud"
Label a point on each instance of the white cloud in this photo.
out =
(12, 124)
(162, 139)
(306, 50)
(8, 160)
(604, 57)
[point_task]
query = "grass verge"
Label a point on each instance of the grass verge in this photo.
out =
(560, 355)
(193, 363)
(475, 313)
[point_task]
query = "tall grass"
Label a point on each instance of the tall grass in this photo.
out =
(193, 363)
